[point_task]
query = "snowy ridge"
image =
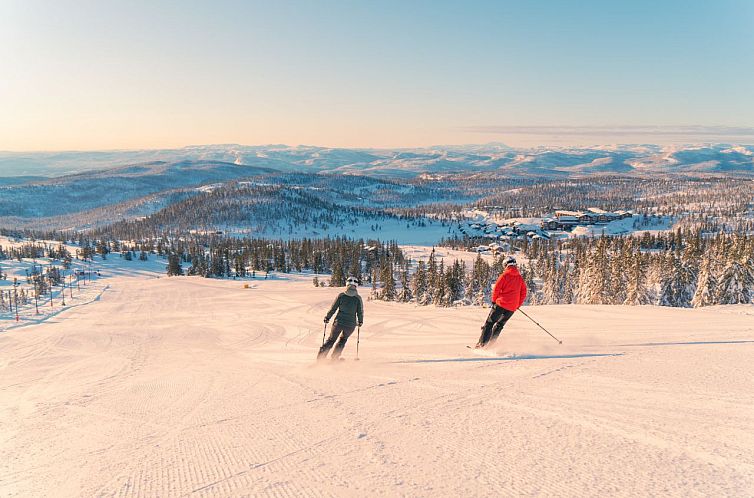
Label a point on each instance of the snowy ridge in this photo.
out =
(548, 162)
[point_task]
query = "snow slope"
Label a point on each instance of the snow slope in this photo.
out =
(196, 387)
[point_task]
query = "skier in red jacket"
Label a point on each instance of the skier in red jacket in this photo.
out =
(507, 296)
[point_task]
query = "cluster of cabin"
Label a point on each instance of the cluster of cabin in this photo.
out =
(566, 220)
(496, 231)
(502, 234)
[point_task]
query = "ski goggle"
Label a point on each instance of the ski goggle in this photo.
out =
(352, 281)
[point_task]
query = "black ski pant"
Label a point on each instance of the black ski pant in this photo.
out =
(344, 331)
(494, 325)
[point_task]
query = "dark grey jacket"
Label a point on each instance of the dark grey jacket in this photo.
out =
(349, 309)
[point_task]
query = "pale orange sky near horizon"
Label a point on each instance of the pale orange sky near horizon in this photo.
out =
(88, 75)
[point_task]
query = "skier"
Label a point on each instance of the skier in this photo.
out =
(507, 296)
(350, 310)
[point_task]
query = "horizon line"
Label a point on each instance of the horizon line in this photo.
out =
(690, 143)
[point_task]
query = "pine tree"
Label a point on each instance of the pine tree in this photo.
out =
(388, 281)
(432, 276)
(678, 282)
(685, 282)
(593, 278)
(620, 265)
(636, 293)
(337, 279)
(552, 283)
(454, 280)
(240, 266)
(570, 282)
(174, 265)
(528, 275)
(419, 284)
(706, 285)
(482, 286)
(440, 292)
(736, 284)
(405, 294)
(668, 287)
(374, 294)
(216, 266)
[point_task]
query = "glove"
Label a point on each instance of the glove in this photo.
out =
(327, 320)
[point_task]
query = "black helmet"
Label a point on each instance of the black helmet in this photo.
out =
(509, 261)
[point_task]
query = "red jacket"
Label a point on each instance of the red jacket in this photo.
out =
(510, 290)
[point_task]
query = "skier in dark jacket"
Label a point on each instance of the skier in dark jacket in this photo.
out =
(350, 310)
(508, 295)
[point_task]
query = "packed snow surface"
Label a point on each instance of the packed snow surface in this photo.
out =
(195, 387)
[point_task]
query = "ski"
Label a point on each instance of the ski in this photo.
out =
(482, 351)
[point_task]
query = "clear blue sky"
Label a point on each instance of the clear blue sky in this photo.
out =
(92, 74)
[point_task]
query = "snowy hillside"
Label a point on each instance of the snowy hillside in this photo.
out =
(83, 191)
(180, 386)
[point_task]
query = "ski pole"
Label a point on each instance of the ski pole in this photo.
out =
(358, 336)
(324, 331)
(538, 325)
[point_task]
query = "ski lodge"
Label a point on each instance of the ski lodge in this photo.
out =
(566, 220)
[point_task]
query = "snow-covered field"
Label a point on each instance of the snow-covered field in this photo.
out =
(362, 228)
(189, 386)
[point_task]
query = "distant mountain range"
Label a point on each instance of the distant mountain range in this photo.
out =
(224, 161)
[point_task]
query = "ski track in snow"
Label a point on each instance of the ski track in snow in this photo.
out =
(195, 387)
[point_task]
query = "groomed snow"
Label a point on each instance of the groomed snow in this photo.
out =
(189, 386)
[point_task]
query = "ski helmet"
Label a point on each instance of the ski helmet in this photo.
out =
(509, 261)
(352, 281)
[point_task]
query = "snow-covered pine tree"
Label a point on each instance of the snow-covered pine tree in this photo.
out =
(374, 293)
(469, 291)
(637, 292)
(667, 294)
(590, 280)
(432, 276)
(419, 284)
(620, 264)
(605, 290)
(678, 282)
(476, 280)
(552, 283)
(706, 284)
(685, 282)
(440, 291)
(528, 275)
(404, 295)
(736, 284)
(454, 277)
(388, 281)
(570, 281)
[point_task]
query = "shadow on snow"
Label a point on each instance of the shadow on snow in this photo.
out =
(690, 343)
(513, 358)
